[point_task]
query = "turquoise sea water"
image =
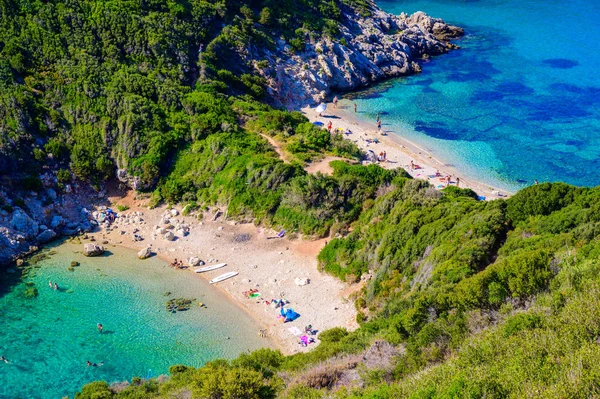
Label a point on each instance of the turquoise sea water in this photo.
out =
(520, 101)
(49, 339)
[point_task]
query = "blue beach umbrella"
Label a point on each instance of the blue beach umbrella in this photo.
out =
(318, 123)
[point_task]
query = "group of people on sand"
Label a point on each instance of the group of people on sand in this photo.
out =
(177, 264)
(53, 285)
(383, 155)
(251, 292)
(446, 179)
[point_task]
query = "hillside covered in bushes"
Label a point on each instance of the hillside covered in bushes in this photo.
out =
(465, 299)
(460, 298)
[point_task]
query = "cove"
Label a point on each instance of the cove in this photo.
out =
(48, 339)
(520, 101)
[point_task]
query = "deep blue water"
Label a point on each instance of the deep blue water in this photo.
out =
(521, 99)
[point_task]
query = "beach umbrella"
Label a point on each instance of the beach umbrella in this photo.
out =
(321, 107)
(317, 123)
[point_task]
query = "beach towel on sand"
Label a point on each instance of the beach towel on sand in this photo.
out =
(295, 330)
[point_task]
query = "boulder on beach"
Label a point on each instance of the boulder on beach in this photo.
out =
(145, 253)
(46, 236)
(194, 261)
(93, 249)
(169, 236)
(174, 212)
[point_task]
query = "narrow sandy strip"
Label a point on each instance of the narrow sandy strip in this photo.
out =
(270, 265)
(400, 152)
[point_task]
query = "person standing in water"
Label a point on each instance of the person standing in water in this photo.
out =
(50, 284)
(99, 326)
(354, 107)
(55, 287)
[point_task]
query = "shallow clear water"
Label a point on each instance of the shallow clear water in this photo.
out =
(520, 101)
(49, 339)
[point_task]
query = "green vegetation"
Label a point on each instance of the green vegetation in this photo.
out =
(92, 86)
(481, 299)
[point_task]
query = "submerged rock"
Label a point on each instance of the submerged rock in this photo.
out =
(93, 250)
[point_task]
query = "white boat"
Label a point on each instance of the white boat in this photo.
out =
(223, 277)
(209, 268)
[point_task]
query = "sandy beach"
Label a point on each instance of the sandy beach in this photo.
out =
(273, 266)
(400, 152)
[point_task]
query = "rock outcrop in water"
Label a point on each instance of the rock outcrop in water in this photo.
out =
(91, 249)
(40, 217)
(371, 49)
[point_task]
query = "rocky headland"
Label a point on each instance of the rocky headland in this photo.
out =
(371, 49)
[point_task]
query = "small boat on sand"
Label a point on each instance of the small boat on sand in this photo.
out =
(223, 277)
(209, 268)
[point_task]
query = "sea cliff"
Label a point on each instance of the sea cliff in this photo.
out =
(371, 49)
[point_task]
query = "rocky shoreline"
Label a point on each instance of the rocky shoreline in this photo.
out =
(43, 216)
(371, 49)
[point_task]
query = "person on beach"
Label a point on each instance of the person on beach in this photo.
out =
(174, 263)
(335, 101)
(5, 360)
(385, 156)
(379, 126)
(412, 166)
(100, 328)
(354, 107)
(378, 120)
(437, 173)
(457, 181)
(536, 182)
(329, 126)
